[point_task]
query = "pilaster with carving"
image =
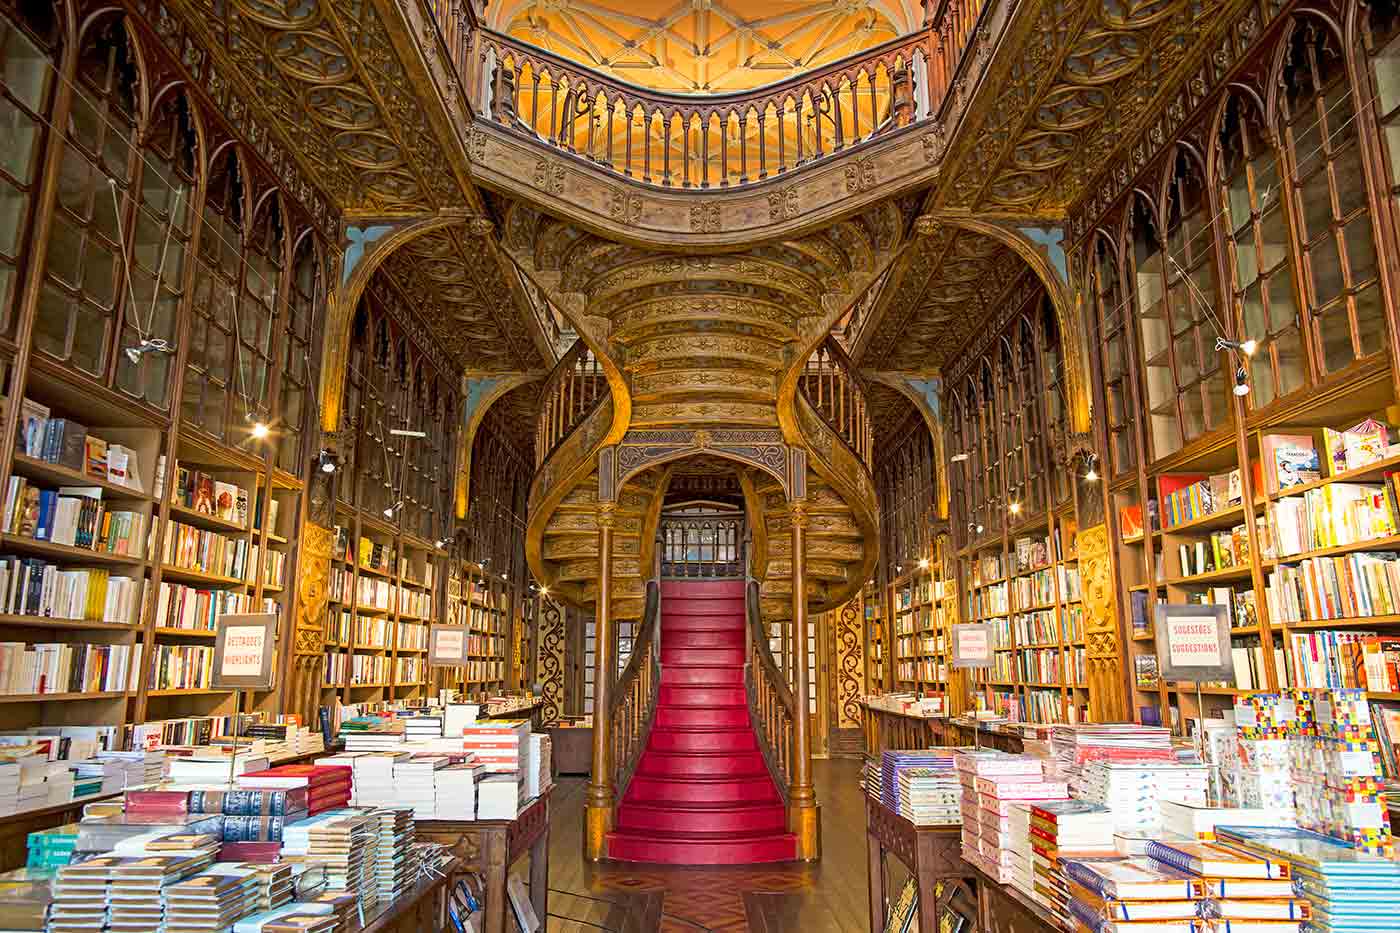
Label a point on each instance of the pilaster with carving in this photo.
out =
(1102, 638)
(309, 633)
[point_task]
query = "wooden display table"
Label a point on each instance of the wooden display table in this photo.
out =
(931, 853)
(421, 909)
(961, 733)
(886, 729)
(491, 848)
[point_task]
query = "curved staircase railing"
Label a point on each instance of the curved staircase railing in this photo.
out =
(635, 695)
(575, 387)
(834, 388)
(702, 141)
(772, 707)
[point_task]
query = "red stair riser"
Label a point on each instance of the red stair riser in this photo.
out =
(687, 764)
(670, 852)
(647, 788)
(699, 589)
(716, 657)
(731, 610)
(702, 794)
(702, 696)
(731, 717)
(678, 675)
(667, 740)
(730, 638)
(644, 819)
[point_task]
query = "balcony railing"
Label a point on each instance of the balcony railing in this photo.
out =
(682, 141)
(574, 388)
(709, 546)
(836, 390)
(719, 140)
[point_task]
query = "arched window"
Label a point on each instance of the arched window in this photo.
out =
(83, 275)
(1029, 377)
(301, 322)
(210, 376)
(1257, 246)
(1008, 422)
(1148, 273)
(26, 106)
(257, 313)
(1111, 315)
(164, 220)
(1328, 187)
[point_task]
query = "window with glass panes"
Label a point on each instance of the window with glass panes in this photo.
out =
(163, 221)
(1154, 329)
(209, 370)
(255, 318)
(83, 269)
(1381, 31)
(1259, 256)
(1009, 426)
(1052, 378)
(1112, 315)
(1327, 185)
(300, 325)
(987, 440)
(26, 107)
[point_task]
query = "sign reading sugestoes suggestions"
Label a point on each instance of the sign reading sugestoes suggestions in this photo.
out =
(243, 651)
(447, 645)
(1193, 643)
(972, 645)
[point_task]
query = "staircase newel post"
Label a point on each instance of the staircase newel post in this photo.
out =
(803, 815)
(599, 803)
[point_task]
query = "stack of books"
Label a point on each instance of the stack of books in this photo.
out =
(344, 843)
(51, 848)
(417, 728)
(305, 914)
(498, 797)
(212, 900)
(456, 790)
(134, 893)
(415, 783)
(396, 867)
(1132, 792)
(1077, 744)
(1118, 894)
(921, 786)
(992, 785)
(80, 895)
(327, 786)
(500, 745)
(1348, 891)
(1237, 887)
(1061, 829)
(275, 885)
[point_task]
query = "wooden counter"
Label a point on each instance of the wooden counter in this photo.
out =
(491, 848)
(887, 729)
(421, 909)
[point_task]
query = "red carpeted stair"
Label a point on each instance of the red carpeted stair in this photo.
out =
(701, 794)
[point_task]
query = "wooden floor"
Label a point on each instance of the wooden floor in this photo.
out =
(827, 897)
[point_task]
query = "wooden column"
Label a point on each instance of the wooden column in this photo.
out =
(598, 805)
(803, 814)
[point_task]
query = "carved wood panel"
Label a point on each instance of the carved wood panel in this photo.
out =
(1103, 645)
(550, 660)
(309, 634)
(848, 682)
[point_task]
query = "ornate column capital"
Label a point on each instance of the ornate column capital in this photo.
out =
(607, 514)
(797, 511)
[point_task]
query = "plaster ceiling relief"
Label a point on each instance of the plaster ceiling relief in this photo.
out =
(1077, 83)
(444, 276)
(325, 76)
(704, 46)
(942, 292)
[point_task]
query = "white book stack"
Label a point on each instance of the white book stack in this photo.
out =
(418, 728)
(499, 744)
(207, 769)
(373, 778)
(498, 797)
(1133, 792)
(1192, 821)
(456, 791)
(457, 716)
(112, 773)
(371, 741)
(1022, 863)
(539, 773)
(415, 784)
(10, 775)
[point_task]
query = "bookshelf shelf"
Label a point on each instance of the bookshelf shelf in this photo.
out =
(1349, 622)
(1239, 572)
(57, 474)
(1390, 542)
(172, 572)
(186, 692)
(63, 697)
(1220, 518)
(47, 622)
(67, 552)
(204, 520)
(188, 632)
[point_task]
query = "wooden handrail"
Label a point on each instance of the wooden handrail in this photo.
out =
(574, 388)
(634, 697)
(836, 390)
(702, 141)
(772, 707)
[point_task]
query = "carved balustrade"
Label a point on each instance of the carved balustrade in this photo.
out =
(703, 141)
(634, 697)
(575, 387)
(837, 392)
(772, 707)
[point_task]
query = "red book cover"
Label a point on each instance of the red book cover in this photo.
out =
(263, 853)
(157, 801)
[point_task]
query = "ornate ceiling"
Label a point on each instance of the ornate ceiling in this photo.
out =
(704, 46)
(946, 288)
(515, 413)
(889, 409)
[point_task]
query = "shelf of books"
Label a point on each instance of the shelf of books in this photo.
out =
(1027, 591)
(383, 586)
(1313, 595)
(874, 613)
(921, 604)
(125, 536)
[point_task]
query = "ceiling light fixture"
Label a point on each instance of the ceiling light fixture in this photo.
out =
(389, 512)
(260, 430)
(1247, 347)
(923, 563)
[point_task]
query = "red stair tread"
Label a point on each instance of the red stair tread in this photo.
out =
(702, 794)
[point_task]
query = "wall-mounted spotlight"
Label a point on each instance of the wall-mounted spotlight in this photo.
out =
(958, 458)
(260, 429)
(442, 543)
(327, 462)
(156, 345)
(1247, 347)
(389, 512)
(923, 563)
(1091, 474)
(1014, 508)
